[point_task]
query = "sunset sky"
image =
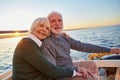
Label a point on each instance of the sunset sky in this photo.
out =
(19, 14)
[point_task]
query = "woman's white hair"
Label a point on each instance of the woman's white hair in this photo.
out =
(39, 21)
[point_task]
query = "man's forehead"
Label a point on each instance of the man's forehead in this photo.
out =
(55, 16)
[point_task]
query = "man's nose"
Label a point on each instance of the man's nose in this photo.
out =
(57, 23)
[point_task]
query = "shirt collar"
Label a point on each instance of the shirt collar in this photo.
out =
(58, 36)
(37, 41)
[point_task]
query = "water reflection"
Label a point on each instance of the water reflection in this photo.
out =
(7, 47)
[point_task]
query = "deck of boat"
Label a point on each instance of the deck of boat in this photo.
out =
(6, 76)
(100, 63)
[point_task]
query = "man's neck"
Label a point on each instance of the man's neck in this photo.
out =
(56, 35)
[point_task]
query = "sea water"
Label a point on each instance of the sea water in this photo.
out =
(108, 36)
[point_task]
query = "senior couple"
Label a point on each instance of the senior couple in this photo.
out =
(45, 53)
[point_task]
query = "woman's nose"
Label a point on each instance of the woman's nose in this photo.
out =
(44, 29)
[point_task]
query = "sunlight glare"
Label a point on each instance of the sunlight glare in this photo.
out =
(16, 33)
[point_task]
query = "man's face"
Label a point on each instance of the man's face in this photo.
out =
(56, 23)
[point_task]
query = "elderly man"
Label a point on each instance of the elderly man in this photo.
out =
(57, 47)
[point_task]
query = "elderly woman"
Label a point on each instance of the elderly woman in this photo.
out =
(29, 62)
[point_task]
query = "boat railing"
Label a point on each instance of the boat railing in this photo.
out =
(108, 63)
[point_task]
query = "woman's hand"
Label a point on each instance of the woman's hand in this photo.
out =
(65, 35)
(78, 74)
(83, 71)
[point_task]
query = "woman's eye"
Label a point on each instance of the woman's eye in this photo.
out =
(41, 26)
(47, 28)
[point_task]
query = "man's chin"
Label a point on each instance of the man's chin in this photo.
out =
(56, 32)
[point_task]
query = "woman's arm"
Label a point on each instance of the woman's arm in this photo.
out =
(32, 54)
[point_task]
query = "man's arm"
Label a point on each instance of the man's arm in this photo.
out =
(85, 47)
(48, 54)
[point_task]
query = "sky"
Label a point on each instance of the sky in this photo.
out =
(19, 14)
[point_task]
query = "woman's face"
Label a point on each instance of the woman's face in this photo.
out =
(41, 31)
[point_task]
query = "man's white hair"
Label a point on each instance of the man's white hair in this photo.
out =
(53, 12)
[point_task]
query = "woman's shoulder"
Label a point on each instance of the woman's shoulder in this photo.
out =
(24, 41)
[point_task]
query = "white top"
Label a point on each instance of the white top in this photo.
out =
(34, 38)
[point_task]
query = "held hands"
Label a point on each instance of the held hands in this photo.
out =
(115, 50)
(85, 73)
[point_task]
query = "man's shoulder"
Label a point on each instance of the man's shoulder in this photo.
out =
(47, 41)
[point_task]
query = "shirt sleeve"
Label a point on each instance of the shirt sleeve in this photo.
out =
(48, 54)
(74, 73)
(85, 47)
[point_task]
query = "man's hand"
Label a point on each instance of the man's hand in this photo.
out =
(85, 73)
(115, 50)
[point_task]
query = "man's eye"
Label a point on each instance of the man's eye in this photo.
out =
(53, 21)
(60, 20)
